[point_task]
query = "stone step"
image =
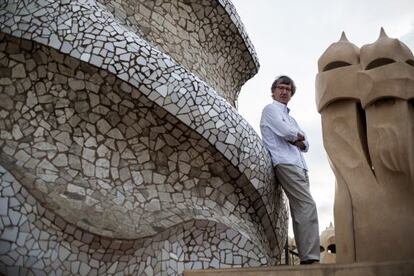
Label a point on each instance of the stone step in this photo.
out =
(392, 268)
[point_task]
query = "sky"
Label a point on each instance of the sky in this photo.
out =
(289, 37)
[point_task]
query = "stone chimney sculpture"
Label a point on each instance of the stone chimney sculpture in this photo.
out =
(365, 97)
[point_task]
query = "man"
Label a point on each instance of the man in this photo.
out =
(285, 142)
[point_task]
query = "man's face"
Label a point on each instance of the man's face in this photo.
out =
(282, 93)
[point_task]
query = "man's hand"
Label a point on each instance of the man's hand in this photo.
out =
(300, 145)
(299, 141)
(301, 137)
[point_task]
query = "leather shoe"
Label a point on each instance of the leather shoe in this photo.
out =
(307, 262)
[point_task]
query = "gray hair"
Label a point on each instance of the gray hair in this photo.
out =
(284, 80)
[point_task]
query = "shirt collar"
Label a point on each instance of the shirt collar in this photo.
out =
(281, 106)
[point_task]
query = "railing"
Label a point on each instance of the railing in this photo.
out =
(290, 255)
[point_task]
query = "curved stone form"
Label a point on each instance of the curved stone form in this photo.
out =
(206, 37)
(121, 141)
(366, 103)
(44, 244)
(340, 56)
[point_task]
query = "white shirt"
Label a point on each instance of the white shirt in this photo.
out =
(278, 128)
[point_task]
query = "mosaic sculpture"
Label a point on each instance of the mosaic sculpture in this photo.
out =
(120, 150)
(365, 97)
